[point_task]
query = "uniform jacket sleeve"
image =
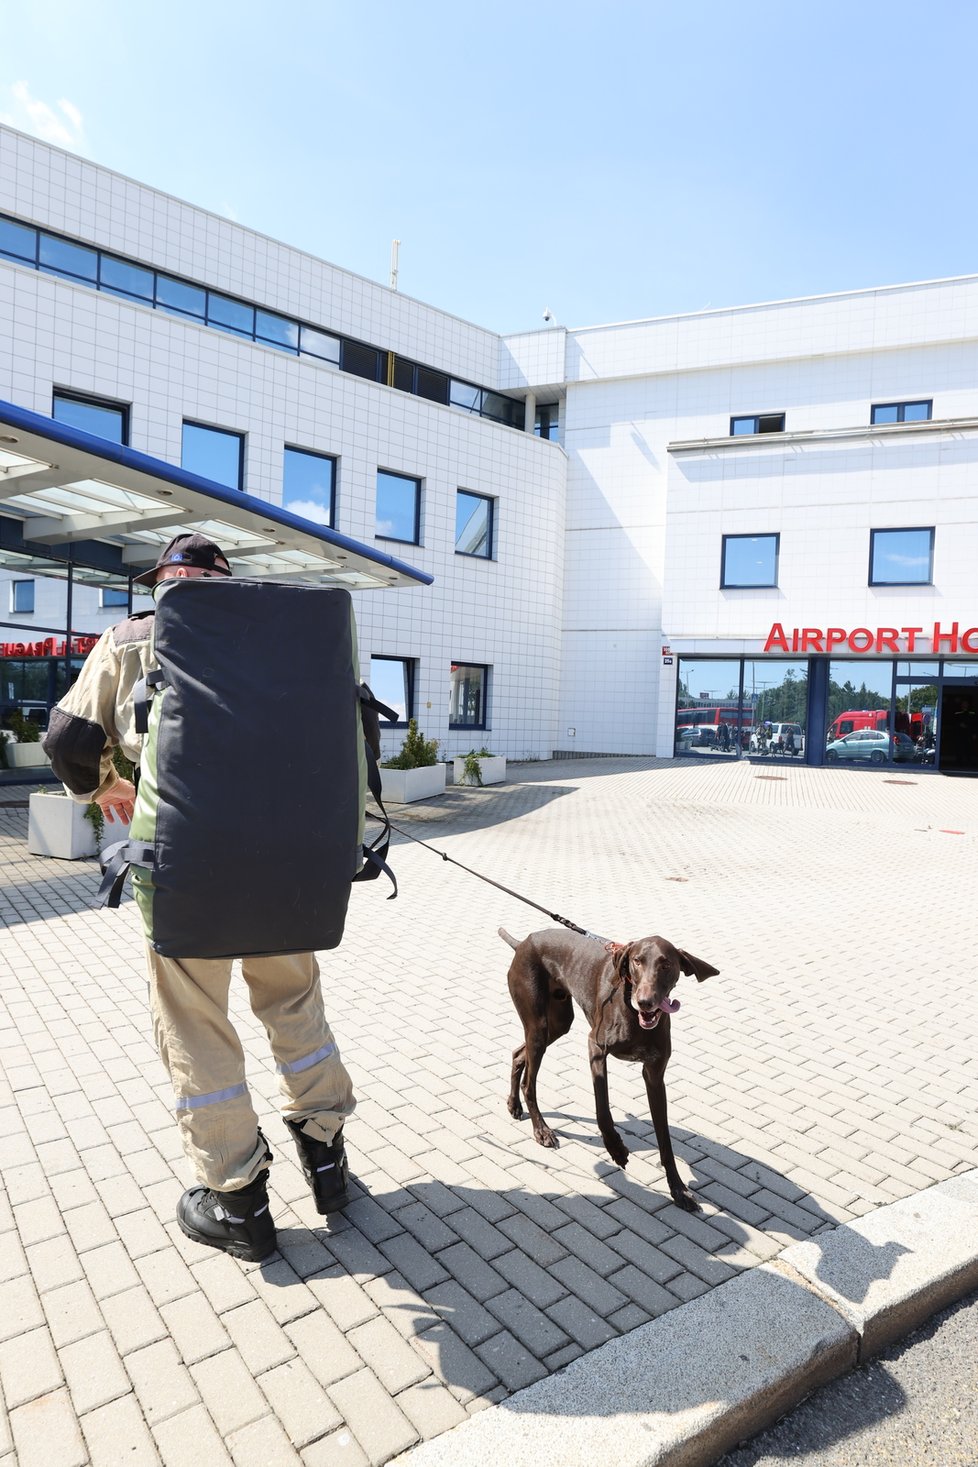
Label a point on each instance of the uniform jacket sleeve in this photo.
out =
(95, 716)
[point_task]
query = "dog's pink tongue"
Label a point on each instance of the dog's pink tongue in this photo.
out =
(670, 1005)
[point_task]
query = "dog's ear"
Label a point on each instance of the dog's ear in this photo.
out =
(619, 963)
(689, 964)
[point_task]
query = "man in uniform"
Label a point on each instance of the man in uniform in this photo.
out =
(189, 996)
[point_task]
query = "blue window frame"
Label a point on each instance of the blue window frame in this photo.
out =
(473, 524)
(213, 453)
(468, 706)
(758, 423)
(901, 557)
(309, 485)
(392, 682)
(113, 596)
(398, 507)
(22, 597)
(749, 561)
(902, 412)
(92, 415)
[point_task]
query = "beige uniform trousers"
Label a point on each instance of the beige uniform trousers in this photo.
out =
(206, 1063)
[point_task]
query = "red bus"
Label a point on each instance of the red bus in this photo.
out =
(699, 725)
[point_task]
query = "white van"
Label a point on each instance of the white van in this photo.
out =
(779, 737)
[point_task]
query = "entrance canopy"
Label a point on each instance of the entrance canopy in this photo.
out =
(66, 494)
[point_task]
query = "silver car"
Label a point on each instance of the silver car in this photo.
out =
(874, 744)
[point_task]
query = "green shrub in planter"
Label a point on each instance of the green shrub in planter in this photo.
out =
(416, 752)
(471, 771)
(27, 731)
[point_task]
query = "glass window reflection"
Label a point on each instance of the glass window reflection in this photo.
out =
(213, 453)
(473, 524)
(308, 482)
(398, 507)
(392, 682)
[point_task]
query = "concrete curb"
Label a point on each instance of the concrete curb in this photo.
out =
(682, 1390)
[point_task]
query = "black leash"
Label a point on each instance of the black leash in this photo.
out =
(554, 916)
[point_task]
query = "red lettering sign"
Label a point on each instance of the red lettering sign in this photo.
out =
(949, 639)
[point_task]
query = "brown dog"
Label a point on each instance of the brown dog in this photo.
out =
(624, 992)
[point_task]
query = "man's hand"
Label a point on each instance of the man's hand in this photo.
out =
(118, 802)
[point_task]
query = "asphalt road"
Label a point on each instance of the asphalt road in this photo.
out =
(914, 1406)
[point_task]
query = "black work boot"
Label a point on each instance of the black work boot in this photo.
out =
(324, 1167)
(238, 1222)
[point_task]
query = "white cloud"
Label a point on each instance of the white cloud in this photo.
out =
(62, 124)
(308, 509)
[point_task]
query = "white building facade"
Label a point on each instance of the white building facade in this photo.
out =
(650, 538)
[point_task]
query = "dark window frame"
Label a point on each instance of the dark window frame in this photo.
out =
(91, 399)
(489, 552)
(726, 585)
(410, 665)
(485, 668)
(330, 458)
(901, 407)
(757, 419)
(408, 479)
(931, 530)
(227, 433)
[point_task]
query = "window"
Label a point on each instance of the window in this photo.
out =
(213, 453)
(467, 708)
(60, 257)
(112, 596)
(118, 277)
(18, 241)
(902, 412)
(230, 315)
(547, 421)
(277, 331)
(318, 344)
(901, 557)
(473, 524)
(392, 682)
(92, 415)
(761, 423)
(749, 560)
(22, 596)
(398, 507)
(308, 485)
(180, 298)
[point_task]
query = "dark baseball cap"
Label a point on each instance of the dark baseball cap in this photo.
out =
(191, 550)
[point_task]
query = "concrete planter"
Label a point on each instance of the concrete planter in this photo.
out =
(56, 826)
(492, 767)
(25, 756)
(404, 786)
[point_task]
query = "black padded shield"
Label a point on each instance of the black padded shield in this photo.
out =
(256, 766)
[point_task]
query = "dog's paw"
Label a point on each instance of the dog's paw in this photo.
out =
(515, 1109)
(546, 1137)
(618, 1151)
(684, 1198)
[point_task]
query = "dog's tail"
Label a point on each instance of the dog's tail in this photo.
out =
(506, 938)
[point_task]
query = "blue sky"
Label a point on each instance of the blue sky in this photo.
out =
(608, 161)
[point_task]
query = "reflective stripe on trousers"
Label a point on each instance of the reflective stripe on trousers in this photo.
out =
(206, 1063)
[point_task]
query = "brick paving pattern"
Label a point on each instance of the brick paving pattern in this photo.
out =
(828, 1069)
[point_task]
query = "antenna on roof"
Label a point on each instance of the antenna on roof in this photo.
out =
(395, 246)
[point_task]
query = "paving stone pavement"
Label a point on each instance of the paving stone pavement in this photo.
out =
(829, 1069)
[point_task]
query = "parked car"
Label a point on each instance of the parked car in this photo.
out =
(697, 736)
(874, 744)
